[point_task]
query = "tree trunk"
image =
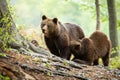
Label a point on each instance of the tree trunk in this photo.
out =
(112, 24)
(8, 28)
(98, 14)
(10, 36)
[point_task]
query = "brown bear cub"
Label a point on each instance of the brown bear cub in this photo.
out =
(89, 50)
(58, 36)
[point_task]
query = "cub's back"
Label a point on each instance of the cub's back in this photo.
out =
(101, 41)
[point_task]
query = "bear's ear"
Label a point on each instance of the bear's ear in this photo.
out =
(44, 17)
(55, 20)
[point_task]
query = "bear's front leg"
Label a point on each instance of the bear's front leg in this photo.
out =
(96, 62)
(51, 46)
(62, 43)
(65, 53)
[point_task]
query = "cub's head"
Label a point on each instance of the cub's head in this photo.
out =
(75, 47)
(49, 26)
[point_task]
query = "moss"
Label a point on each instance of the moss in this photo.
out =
(4, 77)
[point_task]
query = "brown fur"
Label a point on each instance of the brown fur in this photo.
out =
(89, 50)
(58, 36)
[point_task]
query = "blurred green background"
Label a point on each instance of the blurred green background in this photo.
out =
(81, 12)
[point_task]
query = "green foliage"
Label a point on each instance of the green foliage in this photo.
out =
(5, 28)
(115, 50)
(49, 73)
(65, 63)
(118, 25)
(48, 65)
(21, 27)
(3, 54)
(4, 77)
(4, 31)
(115, 62)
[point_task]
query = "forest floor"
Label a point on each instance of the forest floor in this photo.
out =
(45, 67)
(87, 72)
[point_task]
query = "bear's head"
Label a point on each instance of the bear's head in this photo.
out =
(49, 26)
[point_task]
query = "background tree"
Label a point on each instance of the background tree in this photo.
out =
(97, 14)
(112, 24)
(8, 29)
(10, 36)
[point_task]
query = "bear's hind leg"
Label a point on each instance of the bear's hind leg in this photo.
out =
(105, 59)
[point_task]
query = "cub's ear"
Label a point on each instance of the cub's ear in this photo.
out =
(77, 46)
(44, 17)
(55, 20)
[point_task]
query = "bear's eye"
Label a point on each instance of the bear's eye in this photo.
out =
(42, 25)
(48, 26)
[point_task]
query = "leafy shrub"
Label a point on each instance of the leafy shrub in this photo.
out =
(4, 77)
(115, 62)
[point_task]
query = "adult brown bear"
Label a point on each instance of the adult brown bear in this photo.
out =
(58, 36)
(89, 50)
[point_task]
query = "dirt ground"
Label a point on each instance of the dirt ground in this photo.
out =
(89, 72)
